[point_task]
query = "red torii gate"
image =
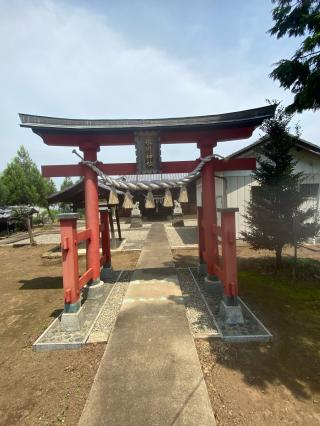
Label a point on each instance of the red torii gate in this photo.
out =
(206, 131)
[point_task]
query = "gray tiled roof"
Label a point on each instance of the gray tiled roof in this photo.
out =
(250, 117)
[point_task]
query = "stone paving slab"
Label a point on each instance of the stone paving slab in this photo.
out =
(107, 317)
(150, 372)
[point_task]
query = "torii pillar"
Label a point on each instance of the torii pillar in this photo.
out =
(92, 219)
(208, 217)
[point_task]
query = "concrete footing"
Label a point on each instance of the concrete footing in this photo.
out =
(231, 315)
(106, 273)
(95, 291)
(72, 321)
(213, 286)
(202, 268)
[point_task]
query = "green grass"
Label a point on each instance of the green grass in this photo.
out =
(295, 302)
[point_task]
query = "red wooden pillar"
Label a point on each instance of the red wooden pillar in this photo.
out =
(105, 236)
(106, 270)
(70, 268)
(201, 243)
(229, 255)
(209, 211)
(92, 213)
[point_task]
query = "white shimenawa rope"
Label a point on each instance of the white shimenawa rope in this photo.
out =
(147, 185)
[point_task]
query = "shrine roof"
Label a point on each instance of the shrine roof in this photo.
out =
(153, 177)
(250, 117)
(75, 192)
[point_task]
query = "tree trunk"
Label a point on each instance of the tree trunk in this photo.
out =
(32, 240)
(278, 257)
(295, 258)
(50, 214)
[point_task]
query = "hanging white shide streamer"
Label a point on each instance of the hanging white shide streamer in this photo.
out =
(150, 204)
(113, 197)
(167, 201)
(128, 200)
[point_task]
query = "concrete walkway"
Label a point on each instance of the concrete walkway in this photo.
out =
(150, 373)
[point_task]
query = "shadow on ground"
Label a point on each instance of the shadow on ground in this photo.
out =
(186, 259)
(56, 313)
(188, 235)
(41, 283)
(290, 310)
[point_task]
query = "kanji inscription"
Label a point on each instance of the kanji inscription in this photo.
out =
(148, 152)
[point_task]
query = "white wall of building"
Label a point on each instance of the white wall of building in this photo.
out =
(239, 185)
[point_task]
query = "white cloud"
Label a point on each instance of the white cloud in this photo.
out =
(62, 60)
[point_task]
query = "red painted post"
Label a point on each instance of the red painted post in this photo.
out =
(92, 213)
(106, 271)
(105, 236)
(209, 211)
(201, 244)
(229, 255)
(70, 268)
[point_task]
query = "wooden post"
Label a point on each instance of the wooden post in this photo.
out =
(118, 223)
(201, 243)
(70, 268)
(105, 236)
(229, 255)
(29, 227)
(209, 211)
(92, 213)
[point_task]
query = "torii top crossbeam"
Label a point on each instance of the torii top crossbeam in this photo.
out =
(91, 134)
(221, 127)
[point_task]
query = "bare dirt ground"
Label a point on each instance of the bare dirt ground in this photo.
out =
(40, 388)
(268, 384)
(251, 384)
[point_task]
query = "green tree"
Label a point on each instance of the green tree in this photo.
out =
(300, 73)
(3, 192)
(23, 182)
(67, 182)
(275, 216)
(65, 206)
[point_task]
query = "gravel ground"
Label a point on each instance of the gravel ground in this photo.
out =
(251, 326)
(43, 239)
(182, 236)
(134, 237)
(108, 315)
(56, 335)
(200, 320)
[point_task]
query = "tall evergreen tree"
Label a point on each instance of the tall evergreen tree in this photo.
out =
(66, 183)
(275, 216)
(3, 192)
(23, 182)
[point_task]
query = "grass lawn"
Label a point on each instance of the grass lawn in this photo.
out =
(277, 383)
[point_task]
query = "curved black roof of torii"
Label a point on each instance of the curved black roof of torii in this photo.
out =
(250, 117)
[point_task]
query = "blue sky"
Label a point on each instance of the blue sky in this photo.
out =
(127, 59)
